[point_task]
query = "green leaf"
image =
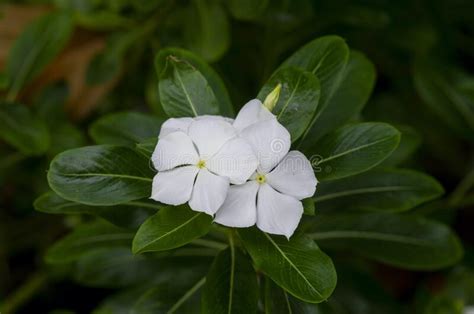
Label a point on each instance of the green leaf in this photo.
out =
(21, 129)
(403, 241)
(379, 190)
(166, 300)
(86, 238)
(450, 103)
(113, 267)
(129, 215)
(309, 207)
(125, 128)
(231, 285)
(247, 10)
(298, 99)
(36, 47)
(170, 228)
(297, 265)
(206, 29)
(409, 142)
(100, 175)
(277, 301)
(357, 82)
(147, 146)
(184, 91)
(326, 57)
(212, 78)
(353, 149)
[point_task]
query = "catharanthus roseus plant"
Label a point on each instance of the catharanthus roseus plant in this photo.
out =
(212, 212)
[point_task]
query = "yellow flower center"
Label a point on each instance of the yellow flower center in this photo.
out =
(261, 178)
(201, 164)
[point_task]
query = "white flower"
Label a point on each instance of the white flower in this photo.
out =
(272, 197)
(182, 124)
(197, 159)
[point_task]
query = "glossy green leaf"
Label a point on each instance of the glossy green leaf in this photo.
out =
(358, 80)
(247, 10)
(297, 265)
(353, 149)
(36, 47)
(114, 267)
(184, 91)
(450, 104)
(125, 128)
(129, 215)
(86, 238)
(206, 29)
(212, 78)
(298, 98)
(378, 190)
(170, 228)
(231, 285)
(21, 129)
(326, 57)
(403, 241)
(101, 175)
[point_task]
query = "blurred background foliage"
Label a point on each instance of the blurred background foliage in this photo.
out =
(69, 62)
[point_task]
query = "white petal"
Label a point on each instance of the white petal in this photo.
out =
(174, 149)
(252, 112)
(277, 213)
(209, 135)
(270, 142)
(229, 120)
(174, 186)
(293, 176)
(240, 206)
(175, 124)
(235, 160)
(209, 192)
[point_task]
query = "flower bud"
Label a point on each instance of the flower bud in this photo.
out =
(272, 98)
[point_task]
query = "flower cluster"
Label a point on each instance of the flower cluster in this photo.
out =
(240, 171)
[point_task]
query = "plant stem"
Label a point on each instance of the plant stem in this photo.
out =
(24, 293)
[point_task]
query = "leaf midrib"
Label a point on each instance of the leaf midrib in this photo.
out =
(170, 232)
(293, 265)
(378, 189)
(370, 235)
(355, 149)
(290, 98)
(188, 97)
(111, 175)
